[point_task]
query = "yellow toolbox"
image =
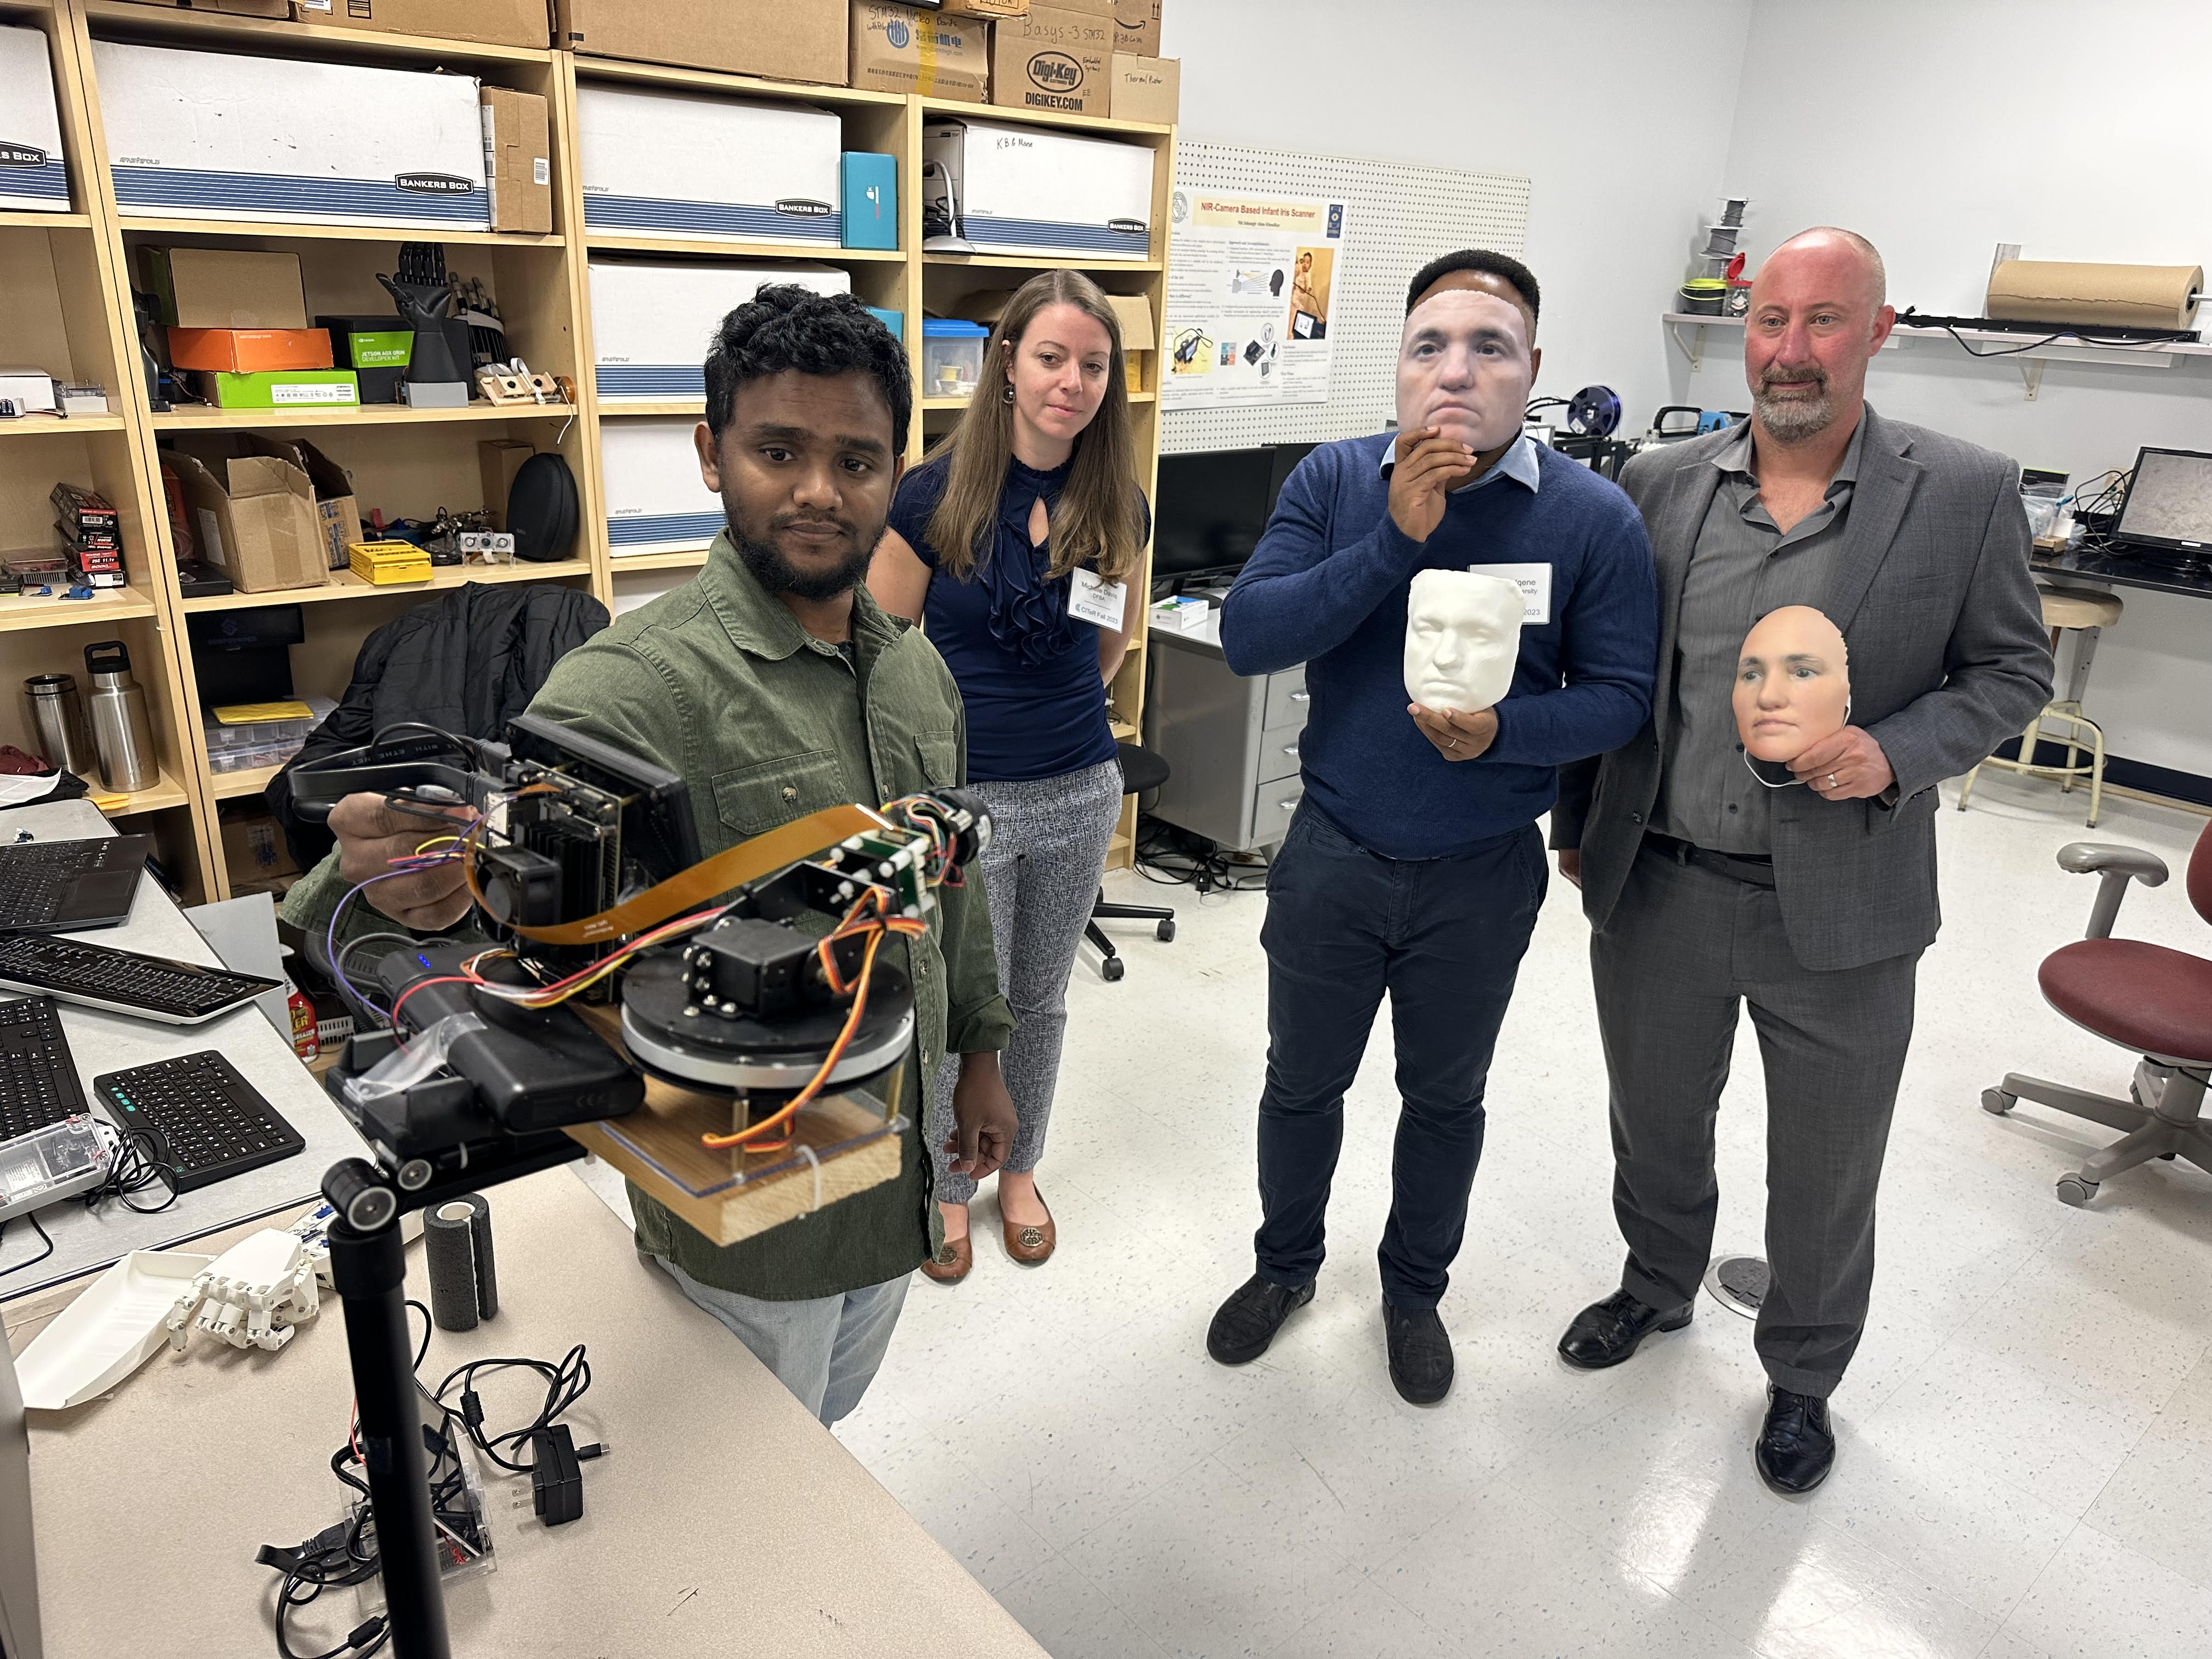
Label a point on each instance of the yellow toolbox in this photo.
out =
(383, 562)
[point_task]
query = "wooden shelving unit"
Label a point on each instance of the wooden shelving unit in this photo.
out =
(67, 279)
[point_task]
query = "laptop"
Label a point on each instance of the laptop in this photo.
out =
(61, 886)
(2169, 503)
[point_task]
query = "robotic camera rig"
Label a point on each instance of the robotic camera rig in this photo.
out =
(615, 954)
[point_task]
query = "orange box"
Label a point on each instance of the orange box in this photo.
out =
(243, 350)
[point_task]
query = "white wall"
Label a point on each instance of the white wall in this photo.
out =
(2076, 127)
(1618, 110)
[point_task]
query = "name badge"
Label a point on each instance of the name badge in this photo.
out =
(1535, 581)
(1097, 601)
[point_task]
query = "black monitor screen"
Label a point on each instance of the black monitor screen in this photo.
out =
(2169, 501)
(1287, 457)
(1212, 507)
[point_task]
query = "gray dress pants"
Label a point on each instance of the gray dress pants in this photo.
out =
(1686, 947)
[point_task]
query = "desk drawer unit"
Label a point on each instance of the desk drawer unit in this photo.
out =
(1272, 808)
(1286, 700)
(1232, 743)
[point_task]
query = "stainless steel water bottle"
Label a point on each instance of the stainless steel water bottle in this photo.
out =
(120, 730)
(58, 718)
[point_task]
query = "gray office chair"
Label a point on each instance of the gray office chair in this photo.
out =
(1142, 772)
(2144, 997)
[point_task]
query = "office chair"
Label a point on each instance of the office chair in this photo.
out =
(1142, 771)
(2144, 997)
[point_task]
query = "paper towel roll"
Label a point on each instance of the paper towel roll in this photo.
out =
(2112, 296)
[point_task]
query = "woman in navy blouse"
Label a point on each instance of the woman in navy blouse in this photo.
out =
(1018, 544)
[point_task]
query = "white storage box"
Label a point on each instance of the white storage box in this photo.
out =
(714, 168)
(201, 135)
(656, 502)
(33, 174)
(651, 325)
(1028, 189)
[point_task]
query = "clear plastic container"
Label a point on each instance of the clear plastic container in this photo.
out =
(952, 356)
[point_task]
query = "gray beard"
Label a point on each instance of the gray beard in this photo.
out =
(1793, 420)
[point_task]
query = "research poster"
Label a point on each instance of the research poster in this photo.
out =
(1248, 294)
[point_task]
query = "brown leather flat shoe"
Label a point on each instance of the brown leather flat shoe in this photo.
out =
(953, 1258)
(1030, 1245)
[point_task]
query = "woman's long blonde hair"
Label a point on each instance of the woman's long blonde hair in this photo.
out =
(1096, 520)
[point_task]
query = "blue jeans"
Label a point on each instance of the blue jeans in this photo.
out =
(1444, 937)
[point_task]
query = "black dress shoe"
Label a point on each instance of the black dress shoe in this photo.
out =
(1420, 1353)
(1244, 1325)
(1606, 1332)
(1795, 1448)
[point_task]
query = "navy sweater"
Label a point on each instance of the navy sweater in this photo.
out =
(1327, 587)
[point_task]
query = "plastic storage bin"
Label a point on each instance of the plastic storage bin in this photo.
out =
(252, 743)
(951, 357)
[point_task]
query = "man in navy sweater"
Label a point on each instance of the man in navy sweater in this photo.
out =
(1413, 864)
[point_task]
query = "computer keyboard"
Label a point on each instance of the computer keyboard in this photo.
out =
(36, 878)
(151, 987)
(207, 1122)
(38, 1075)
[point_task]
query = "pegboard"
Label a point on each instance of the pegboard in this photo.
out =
(1397, 218)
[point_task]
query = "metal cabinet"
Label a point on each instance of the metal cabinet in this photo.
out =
(1231, 742)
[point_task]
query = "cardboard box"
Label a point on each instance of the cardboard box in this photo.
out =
(710, 168)
(983, 8)
(518, 142)
(336, 510)
(33, 177)
(253, 847)
(499, 459)
(651, 323)
(1146, 89)
(196, 136)
(789, 40)
(1029, 189)
(924, 53)
(31, 389)
(278, 8)
(225, 288)
(494, 23)
(257, 523)
(868, 197)
(280, 388)
(1140, 340)
(1137, 27)
(656, 502)
(243, 350)
(1052, 58)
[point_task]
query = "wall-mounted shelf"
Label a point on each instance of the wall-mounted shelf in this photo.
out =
(683, 559)
(66, 426)
(620, 241)
(247, 780)
(110, 604)
(258, 229)
(27, 219)
(1026, 262)
(670, 406)
(208, 419)
(1689, 333)
(344, 584)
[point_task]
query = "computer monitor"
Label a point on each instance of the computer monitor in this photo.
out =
(19, 1567)
(1287, 457)
(2169, 501)
(1210, 509)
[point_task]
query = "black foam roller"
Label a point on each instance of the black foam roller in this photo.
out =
(457, 1248)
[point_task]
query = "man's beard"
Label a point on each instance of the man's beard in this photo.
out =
(779, 576)
(1793, 420)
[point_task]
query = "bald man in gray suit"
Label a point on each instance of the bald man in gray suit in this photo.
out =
(1707, 889)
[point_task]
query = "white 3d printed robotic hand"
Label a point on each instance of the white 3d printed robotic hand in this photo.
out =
(251, 1295)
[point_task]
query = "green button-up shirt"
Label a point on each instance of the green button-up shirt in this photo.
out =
(718, 683)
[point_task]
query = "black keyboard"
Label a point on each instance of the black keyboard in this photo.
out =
(38, 1075)
(48, 884)
(207, 1122)
(151, 987)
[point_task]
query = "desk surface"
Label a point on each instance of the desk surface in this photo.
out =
(101, 1042)
(723, 1519)
(2125, 570)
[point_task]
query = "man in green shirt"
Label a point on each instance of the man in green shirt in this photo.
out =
(774, 686)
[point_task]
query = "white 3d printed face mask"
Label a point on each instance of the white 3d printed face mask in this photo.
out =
(1463, 638)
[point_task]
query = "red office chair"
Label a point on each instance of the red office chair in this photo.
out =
(2144, 997)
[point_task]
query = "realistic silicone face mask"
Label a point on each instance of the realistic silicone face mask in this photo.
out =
(1793, 684)
(1463, 638)
(1464, 366)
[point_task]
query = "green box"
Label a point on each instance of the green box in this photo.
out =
(388, 349)
(281, 388)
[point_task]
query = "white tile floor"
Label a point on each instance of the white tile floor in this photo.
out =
(2026, 1470)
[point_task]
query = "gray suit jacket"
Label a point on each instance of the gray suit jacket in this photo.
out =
(1948, 657)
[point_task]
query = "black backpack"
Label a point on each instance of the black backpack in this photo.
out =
(542, 510)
